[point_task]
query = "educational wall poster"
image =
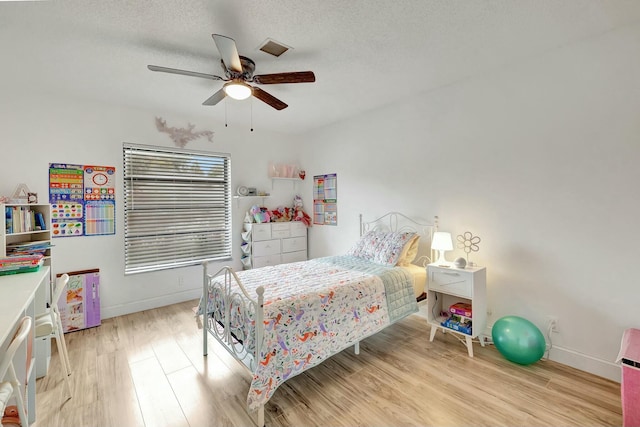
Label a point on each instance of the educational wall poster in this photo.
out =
(325, 199)
(82, 200)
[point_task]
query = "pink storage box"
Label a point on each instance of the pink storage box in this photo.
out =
(630, 387)
(461, 309)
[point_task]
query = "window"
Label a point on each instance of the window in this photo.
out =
(177, 207)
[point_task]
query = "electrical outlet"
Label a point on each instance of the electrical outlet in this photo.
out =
(552, 324)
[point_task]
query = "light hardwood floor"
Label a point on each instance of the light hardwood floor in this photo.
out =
(147, 369)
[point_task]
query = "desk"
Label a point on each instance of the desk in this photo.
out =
(23, 295)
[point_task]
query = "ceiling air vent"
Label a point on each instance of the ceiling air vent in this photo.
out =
(273, 47)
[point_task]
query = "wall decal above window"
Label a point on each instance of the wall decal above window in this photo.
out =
(181, 136)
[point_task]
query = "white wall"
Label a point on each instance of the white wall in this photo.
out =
(50, 128)
(541, 160)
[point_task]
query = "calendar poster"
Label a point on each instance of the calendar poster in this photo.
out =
(325, 199)
(82, 200)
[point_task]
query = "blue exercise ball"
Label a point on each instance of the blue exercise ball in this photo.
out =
(518, 340)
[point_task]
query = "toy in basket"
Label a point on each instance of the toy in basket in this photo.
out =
(20, 264)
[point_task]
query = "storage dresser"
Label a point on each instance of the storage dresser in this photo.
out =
(273, 243)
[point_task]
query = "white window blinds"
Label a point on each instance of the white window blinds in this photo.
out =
(177, 207)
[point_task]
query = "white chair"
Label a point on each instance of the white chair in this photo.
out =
(49, 324)
(11, 388)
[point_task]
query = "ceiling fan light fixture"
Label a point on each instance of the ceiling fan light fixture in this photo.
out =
(237, 89)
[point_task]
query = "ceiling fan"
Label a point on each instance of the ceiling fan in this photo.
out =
(238, 72)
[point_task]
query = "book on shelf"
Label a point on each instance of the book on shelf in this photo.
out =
(28, 248)
(461, 309)
(8, 214)
(20, 264)
(458, 323)
(40, 224)
(20, 219)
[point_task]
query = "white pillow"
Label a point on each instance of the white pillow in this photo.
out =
(409, 252)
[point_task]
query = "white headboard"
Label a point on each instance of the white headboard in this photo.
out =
(395, 221)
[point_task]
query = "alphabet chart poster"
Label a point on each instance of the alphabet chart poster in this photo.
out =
(82, 200)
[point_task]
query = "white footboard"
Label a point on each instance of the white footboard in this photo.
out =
(229, 317)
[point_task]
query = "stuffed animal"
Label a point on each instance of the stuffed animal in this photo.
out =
(260, 214)
(299, 213)
(281, 214)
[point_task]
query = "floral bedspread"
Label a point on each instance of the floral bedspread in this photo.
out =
(313, 310)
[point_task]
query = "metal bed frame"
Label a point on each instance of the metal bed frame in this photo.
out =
(222, 285)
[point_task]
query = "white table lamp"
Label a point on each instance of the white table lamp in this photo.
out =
(442, 242)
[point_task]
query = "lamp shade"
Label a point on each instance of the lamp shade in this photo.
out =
(237, 89)
(442, 241)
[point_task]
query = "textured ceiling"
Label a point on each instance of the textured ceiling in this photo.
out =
(364, 53)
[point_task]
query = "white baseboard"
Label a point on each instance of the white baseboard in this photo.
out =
(584, 362)
(151, 303)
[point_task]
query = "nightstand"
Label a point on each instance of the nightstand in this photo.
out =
(447, 285)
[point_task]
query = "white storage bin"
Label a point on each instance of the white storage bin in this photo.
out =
(294, 257)
(280, 230)
(298, 229)
(263, 261)
(267, 247)
(294, 244)
(261, 231)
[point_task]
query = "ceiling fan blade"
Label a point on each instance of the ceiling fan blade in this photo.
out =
(269, 99)
(215, 98)
(293, 77)
(183, 72)
(228, 52)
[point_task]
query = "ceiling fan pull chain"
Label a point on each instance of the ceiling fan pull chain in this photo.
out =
(225, 113)
(251, 106)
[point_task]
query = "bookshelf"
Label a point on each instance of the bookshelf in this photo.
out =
(23, 230)
(25, 233)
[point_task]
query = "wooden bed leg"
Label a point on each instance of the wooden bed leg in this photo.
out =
(356, 347)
